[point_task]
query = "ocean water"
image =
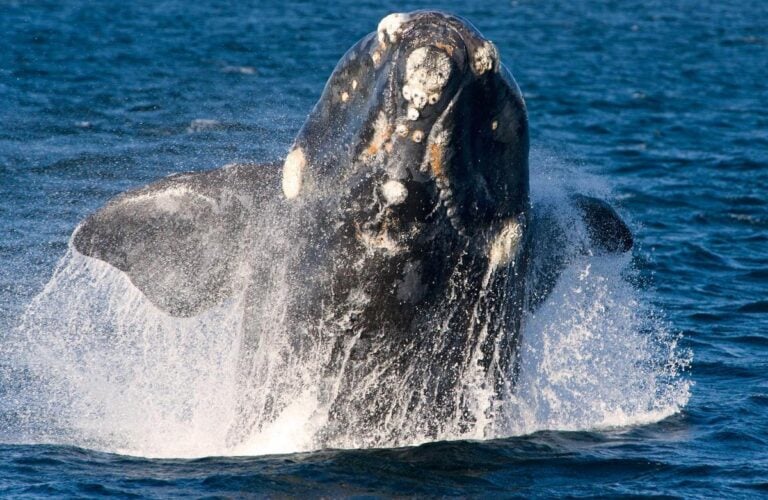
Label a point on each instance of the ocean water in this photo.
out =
(641, 376)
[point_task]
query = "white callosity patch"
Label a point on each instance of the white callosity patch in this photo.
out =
(381, 128)
(485, 58)
(439, 136)
(390, 27)
(416, 96)
(427, 70)
(504, 247)
(293, 172)
(394, 192)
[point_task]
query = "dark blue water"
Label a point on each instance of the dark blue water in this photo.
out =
(665, 101)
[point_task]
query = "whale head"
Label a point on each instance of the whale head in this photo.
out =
(421, 134)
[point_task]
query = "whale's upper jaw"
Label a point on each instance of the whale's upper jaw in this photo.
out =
(449, 33)
(421, 119)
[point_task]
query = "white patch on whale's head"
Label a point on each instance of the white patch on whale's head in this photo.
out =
(427, 71)
(389, 27)
(293, 171)
(382, 132)
(485, 58)
(394, 192)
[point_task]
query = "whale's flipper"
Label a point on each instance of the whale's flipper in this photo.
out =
(181, 240)
(550, 247)
(607, 231)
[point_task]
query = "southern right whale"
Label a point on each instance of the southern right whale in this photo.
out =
(413, 248)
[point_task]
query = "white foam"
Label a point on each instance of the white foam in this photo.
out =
(243, 70)
(202, 125)
(593, 357)
(121, 376)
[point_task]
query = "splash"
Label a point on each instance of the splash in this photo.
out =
(106, 370)
(596, 354)
(97, 365)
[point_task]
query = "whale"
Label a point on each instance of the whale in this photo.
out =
(399, 227)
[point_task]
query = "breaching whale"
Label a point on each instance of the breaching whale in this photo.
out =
(415, 251)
